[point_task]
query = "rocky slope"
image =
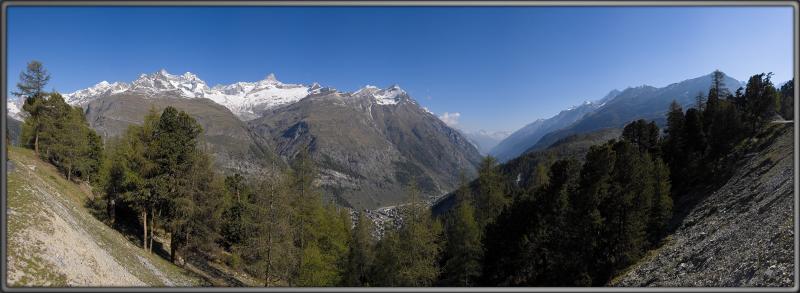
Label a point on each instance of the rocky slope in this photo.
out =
(370, 144)
(741, 235)
(54, 241)
(226, 137)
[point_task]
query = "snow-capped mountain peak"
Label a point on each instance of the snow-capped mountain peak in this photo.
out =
(162, 82)
(13, 107)
(245, 99)
(388, 96)
(103, 88)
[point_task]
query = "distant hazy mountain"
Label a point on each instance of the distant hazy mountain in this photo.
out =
(486, 140)
(527, 136)
(643, 102)
(371, 144)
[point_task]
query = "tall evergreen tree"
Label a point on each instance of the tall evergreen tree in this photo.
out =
(173, 150)
(586, 221)
(760, 99)
(31, 88)
(642, 134)
(490, 199)
(361, 254)
(463, 251)
(268, 244)
(787, 100)
(661, 207)
(408, 257)
(675, 143)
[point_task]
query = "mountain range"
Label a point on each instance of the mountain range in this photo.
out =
(369, 145)
(614, 110)
(486, 140)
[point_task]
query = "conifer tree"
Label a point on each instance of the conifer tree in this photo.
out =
(642, 134)
(675, 144)
(661, 208)
(760, 99)
(361, 254)
(31, 88)
(491, 198)
(586, 220)
(409, 256)
(268, 244)
(787, 100)
(463, 251)
(131, 169)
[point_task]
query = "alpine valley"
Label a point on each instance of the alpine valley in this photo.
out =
(368, 144)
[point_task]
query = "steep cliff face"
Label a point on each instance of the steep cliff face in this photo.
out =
(742, 234)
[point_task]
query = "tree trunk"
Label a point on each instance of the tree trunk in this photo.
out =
(172, 249)
(36, 143)
(144, 227)
(152, 231)
(69, 173)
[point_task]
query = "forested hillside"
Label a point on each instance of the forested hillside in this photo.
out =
(577, 214)
(738, 235)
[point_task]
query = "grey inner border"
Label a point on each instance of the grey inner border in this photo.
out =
(3, 237)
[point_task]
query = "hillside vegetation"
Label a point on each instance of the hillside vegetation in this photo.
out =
(53, 240)
(741, 234)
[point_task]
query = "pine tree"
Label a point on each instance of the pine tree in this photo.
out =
(237, 195)
(787, 100)
(491, 198)
(675, 143)
(409, 256)
(361, 254)
(661, 208)
(173, 151)
(642, 134)
(628, 206)
(586, 221)
(700, 102)
(463, 250)
(268, 244)
(715, 94)
(131, 169)
(760, 99)
(31, 88)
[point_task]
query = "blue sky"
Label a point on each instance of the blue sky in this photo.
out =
(499, 68)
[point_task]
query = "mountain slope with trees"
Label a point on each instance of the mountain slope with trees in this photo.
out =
(741, 234)
(53, 240)
(227, 138)
(368, 151)
(577, 214)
